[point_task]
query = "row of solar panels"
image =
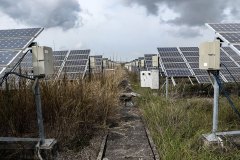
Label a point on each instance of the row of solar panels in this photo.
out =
(15, 42)
(184, 61)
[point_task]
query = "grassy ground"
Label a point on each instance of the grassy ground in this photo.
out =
(73, 111)
(177, 124)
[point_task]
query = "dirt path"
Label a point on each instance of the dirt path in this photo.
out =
(128, 139)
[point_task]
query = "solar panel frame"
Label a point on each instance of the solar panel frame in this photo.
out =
(224, 27)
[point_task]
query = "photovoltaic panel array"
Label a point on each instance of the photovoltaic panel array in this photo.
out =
(228, 58)
(191, 54)
(172, 63)
(96, 63)
(12, 44)
(58, 59)
(76, 64)
(228, 32)
(231, 65)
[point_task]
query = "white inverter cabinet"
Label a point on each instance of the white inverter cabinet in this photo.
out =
(155, 79)
(146, 78)
(42, 58)
(209, 55)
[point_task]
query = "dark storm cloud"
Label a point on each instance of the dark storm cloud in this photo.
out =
(51, 13)
(192, 12)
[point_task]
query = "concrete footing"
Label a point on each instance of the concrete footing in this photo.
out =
(27, 148)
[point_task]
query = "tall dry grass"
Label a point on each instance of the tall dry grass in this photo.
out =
(72, 110)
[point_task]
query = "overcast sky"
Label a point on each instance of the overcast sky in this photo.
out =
(123, 29)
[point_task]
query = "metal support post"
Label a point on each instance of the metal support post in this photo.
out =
(37, 94)
(215, 106)
(167, 83)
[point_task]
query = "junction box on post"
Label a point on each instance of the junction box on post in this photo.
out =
(209, 55)
(42, 58)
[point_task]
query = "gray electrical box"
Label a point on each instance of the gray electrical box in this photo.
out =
(155, 61)
(42, 58)
(209, 55)
(142, 64)
(92, 62)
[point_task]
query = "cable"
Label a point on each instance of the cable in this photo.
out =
(226, 94)
(230, 73)
(17, 74)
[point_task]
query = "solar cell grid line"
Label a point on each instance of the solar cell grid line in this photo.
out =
(60, 53)
(233, 38)
(194, 65)
(198, 71)
(230, 51)
(73, 69)
(229, 64)
(77, 52)
(233, 71)
(232, 55)
(225, 27)
(230, 79)
(14, 44)
(237, 47)
(178, 73)
(169, 54)
(189, 49)
(191, 54)
(225, 59)
(167, 49)
(192, 59)
(203, 79)
(6, 57)
(175, 65)
(172, 59)
(76, 63)
(77, 56)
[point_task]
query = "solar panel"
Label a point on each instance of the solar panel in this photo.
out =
(14, 44)
(172, 62)
(60, 53)
(194, 65)
(230, 79)
(178, 73)
(73, 69)
(229, 64)
(225, 27)
(169, 54)
(75, 64)
(75, 56)
(231, 37)
(191, 54)
(170, 59)
(168, 49)
(6, 57)
(192, 59)
(237, 46)
(148, 61)
(184, 49)
(231, 70)
(225, 59)
(200, 72)
(175, 65)
(13, 40)
(203, 79)
(28, 32)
